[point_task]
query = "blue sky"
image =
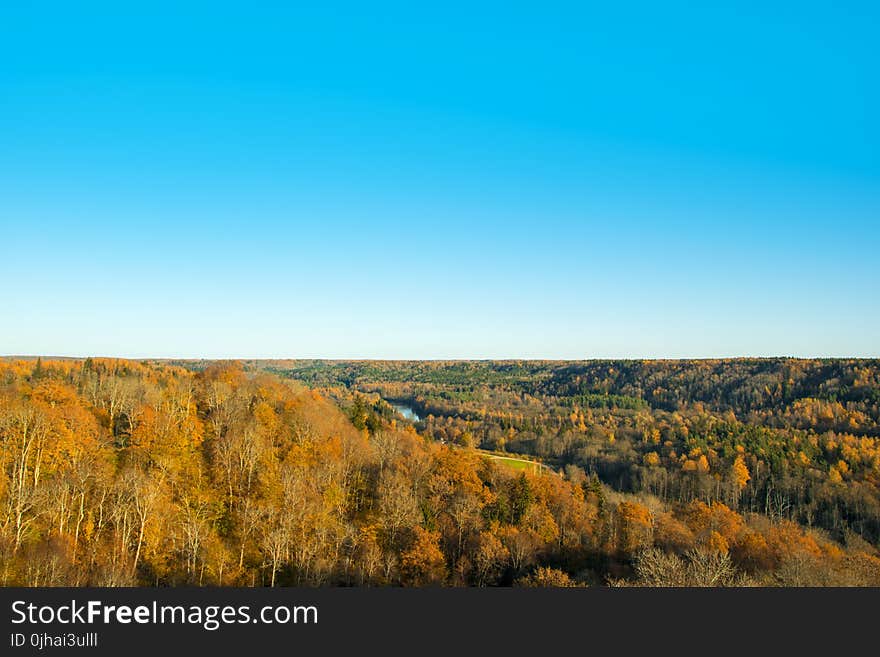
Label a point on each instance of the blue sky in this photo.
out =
(480, 180)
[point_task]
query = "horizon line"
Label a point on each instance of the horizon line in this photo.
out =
(438, 359)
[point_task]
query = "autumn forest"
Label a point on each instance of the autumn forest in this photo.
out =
(742, 472)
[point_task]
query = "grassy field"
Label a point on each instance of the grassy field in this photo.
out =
(513, 463)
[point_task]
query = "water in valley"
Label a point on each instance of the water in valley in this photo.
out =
(406, 412)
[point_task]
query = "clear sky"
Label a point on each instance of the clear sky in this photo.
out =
(431, 180)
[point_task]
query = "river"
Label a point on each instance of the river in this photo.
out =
(407, 412)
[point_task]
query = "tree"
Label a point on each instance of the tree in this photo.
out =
(545, 577)
(635, 527)
(740, 475)
(489, 558)
(423, 564)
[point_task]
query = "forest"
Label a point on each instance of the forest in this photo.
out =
(743, 472)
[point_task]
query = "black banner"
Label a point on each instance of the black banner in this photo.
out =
(412, 621)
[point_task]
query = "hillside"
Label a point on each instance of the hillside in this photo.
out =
(671, 472)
